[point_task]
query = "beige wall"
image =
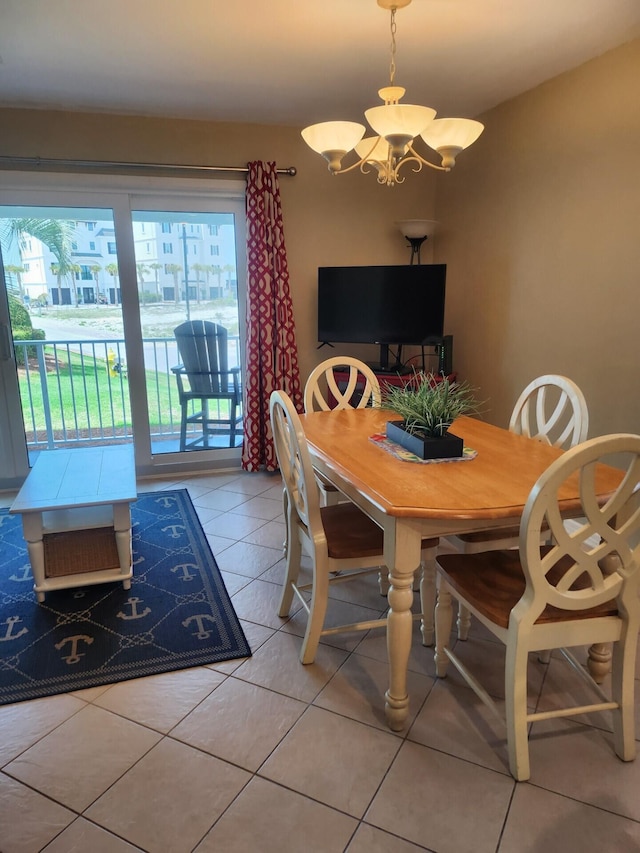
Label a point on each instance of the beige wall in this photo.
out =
(329, 221)
(539, 226)
(541, 233)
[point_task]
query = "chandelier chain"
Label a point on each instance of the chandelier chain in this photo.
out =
(392, 66)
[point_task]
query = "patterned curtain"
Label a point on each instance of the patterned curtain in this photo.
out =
(271, 359)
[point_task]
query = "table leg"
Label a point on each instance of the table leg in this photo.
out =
(122, 529)
(32, 532)
(599, 661)
(402, 555)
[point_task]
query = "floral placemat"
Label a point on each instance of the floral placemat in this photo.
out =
(406, 456)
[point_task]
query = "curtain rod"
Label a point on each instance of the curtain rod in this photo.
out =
(97, 165)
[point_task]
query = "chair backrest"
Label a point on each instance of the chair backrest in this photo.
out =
(295, 465)
(573, 573)
(361, 380)
(553, 410)
(203, 352)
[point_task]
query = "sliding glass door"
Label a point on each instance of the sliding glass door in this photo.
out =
(95, 280)
(186, 265)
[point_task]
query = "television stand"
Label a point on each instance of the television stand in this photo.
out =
(443, 348)
(385, 367)
(390, 369)
(386, 380)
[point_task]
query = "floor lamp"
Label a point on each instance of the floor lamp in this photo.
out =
(416, 231)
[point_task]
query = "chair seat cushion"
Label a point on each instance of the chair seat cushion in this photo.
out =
(493, 582)
(350, 533)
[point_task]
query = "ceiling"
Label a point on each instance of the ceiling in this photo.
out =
(292, 62)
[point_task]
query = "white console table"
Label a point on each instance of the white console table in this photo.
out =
(76, 517)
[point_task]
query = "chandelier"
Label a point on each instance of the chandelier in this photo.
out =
(396, 126)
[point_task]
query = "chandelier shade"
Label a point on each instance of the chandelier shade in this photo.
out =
(397, 126)
(373, 149)
(333, 135)
(399, 119)
(457, 132)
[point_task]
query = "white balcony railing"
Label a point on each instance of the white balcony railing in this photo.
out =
(76, 392)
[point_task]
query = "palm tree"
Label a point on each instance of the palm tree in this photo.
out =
(74, 272)
(55, 234)
(112, 269)
(217, 271)
(156, 267)
(17, 271)
(142, 270)
(56, 269)
(208, 270)
(231, 271)
(198, 268)
(175, 270)
(95, 270)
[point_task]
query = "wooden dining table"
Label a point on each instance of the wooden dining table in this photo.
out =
(415, 500)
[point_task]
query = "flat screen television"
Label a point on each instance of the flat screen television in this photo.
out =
(385, 305)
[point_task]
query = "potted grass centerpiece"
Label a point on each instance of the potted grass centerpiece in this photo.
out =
(427, 407)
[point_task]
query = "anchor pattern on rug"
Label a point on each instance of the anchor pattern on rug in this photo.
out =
(74, 656)
(184, 568)
(135, 613)
(25, 575)
(175, 531)
(10, 634)
(200, 618)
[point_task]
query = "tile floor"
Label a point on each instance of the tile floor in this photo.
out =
(268, 756)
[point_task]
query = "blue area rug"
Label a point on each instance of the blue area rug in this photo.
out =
(177, 613)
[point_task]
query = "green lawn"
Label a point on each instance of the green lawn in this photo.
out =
(84, 393)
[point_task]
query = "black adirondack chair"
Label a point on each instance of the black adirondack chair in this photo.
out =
(204, 375)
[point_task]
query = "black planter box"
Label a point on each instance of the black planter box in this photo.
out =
(425, 447)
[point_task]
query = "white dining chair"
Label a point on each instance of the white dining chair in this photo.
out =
(551, 409)
(342, 542)
(323, 393)
(569, 593)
